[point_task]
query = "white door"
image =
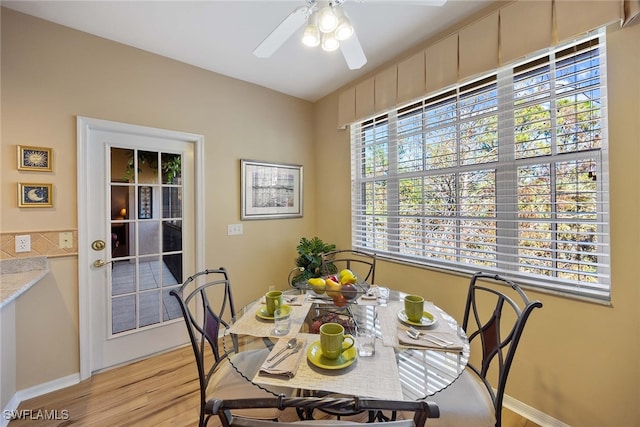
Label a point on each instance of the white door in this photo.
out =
(137, 239)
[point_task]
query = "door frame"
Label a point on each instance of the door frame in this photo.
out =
(85, 125)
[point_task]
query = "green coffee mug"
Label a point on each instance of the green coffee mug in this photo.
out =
(333, 340)
(414, 307)
(273, 300)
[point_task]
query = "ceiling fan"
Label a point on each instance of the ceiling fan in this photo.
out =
(327, 26)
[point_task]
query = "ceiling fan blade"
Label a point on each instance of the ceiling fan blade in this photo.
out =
(353, 53)
(282, 32)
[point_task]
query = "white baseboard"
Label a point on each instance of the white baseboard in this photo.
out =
(531, 414)
(36, 391)
(12, 405)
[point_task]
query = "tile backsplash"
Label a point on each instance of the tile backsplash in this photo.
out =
(43, 243)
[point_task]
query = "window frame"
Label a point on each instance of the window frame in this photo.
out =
(384, 129)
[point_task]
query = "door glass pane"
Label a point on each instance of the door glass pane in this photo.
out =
(172, 274)
(122, 166)
(149, 237)
(171, 236)
(148, 167)
(123, 313)
(147, 202)
(120, 202)
(149, 308)
(171, 202)
(171, 168)
(123, 278)
(150, 271)
(171, 308)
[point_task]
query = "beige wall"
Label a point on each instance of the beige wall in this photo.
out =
(50, 75)
(577, 362)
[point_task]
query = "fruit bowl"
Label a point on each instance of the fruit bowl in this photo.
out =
(331, 288)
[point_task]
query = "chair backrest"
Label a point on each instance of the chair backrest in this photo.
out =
(422, 409)
(206, 303)
(496, 321)
(363, 264)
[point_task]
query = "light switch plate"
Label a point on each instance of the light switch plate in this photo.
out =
(234, 229)
(65, 240)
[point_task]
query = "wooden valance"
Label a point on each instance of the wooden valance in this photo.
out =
(505, 35)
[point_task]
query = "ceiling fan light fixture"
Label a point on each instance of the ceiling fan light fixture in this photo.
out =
(327, 19)
(311, 35)
(344, 29)
(329, 42)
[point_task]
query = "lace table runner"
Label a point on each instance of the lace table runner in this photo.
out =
(376, 376)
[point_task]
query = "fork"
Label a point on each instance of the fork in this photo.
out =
(294, 351)
(415, 334)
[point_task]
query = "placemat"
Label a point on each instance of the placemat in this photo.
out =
(251, 324)
(376, 376)
(390, 325)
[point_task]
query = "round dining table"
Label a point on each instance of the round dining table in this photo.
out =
(397, 370)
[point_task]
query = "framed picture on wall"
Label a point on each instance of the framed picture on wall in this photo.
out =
(35, 195)
(34, 159)
(145, 198)
(270, 190)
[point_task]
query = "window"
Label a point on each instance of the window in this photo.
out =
(506, 174)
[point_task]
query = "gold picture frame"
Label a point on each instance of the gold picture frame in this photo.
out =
(35, 158)
(35, 195)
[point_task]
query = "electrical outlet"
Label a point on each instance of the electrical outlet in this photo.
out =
(65, 240)
(23, 243)
(234, 229)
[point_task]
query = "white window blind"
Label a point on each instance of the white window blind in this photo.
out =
(507, 174)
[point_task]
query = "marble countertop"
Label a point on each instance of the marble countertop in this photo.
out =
(18, 275)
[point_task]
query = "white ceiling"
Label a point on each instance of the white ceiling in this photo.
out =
(221, 35)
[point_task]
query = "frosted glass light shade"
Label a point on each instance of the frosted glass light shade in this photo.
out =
(329, 42)
(311, 35)
(344, 29)
(327, 19)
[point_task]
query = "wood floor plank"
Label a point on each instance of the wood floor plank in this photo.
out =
(159, 391)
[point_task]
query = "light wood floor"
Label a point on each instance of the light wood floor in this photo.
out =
(159, 391)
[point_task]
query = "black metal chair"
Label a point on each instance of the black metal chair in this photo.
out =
(422, 410)
(217, 377)
(494, 323)
(363, 264)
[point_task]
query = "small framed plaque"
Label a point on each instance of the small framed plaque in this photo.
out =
(34, 159)
(35, 195)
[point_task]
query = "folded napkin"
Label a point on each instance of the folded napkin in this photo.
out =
(288, 299)
(427, 341)
(288, 366)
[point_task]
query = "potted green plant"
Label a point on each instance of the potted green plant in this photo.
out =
(310, 258)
